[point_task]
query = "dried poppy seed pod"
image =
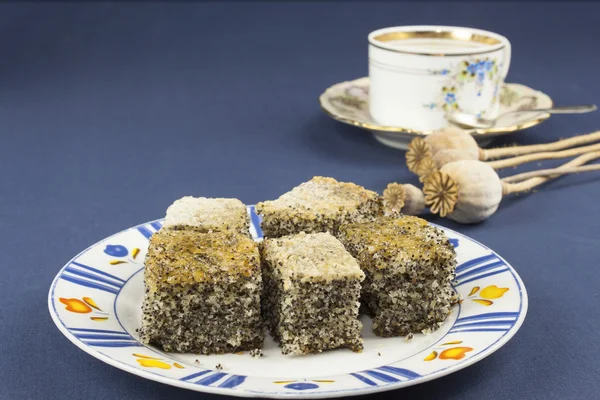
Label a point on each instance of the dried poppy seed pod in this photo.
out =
(467, 191)
(444, 157)
(393, 199)
(453, 139)
(422, 150)
(406, 199)
(414, 200)
(480, 190)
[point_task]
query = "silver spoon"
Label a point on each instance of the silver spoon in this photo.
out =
(472, 121)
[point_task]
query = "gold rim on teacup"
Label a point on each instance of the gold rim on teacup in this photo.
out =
(381, 37)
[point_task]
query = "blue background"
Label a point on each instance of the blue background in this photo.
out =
(110, 112)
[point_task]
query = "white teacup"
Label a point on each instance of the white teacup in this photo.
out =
(420, 73)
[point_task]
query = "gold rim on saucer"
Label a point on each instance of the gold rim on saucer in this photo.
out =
(348, 102)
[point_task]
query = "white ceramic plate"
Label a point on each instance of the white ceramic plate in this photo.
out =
(348, 102)
(95, 301)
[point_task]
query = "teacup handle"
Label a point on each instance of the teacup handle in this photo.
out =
(506, 61)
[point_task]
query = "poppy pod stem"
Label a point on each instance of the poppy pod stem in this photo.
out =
(491, 154)
(510, 162)
(552, 173)
(528, 180)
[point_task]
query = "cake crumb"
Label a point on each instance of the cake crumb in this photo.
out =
(456, 299)
(378, 353)
(410, 337)
(219, 367)
(197, 362)
(256, 353)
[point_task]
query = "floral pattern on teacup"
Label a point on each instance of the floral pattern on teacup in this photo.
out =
(477, 71)
(472, 71)
(449, 98)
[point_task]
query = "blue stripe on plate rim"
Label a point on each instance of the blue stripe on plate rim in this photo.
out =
(372, 385)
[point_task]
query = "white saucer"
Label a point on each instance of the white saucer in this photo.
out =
(348, 102)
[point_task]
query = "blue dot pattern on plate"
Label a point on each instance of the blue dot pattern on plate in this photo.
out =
(116, 250)
(301, 386)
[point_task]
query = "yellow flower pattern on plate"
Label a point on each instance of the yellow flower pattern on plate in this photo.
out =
(489, 292)
(84, 306)
(153, 362)
(452, 353)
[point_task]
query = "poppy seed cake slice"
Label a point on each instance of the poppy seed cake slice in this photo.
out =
(202, 292)
(319, 205)
(409, 267)
(206, 214)
(311, 293)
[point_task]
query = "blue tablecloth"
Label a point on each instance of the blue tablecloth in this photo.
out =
(110, 112)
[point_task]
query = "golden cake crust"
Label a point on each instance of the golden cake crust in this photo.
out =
(187, 256)
(388, 235)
